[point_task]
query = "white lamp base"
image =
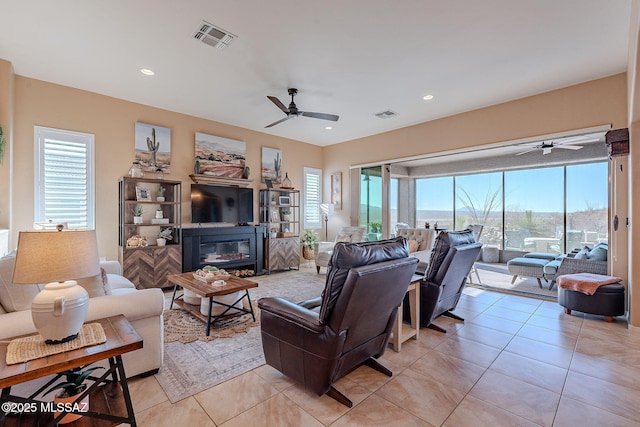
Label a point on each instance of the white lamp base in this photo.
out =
(59, 311)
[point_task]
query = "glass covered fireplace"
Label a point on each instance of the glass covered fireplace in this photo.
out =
(239, 250)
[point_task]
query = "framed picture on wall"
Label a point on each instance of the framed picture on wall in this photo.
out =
(336, 190)
(272, 165)
(153, 147)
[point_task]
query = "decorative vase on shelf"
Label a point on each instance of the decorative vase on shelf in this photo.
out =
(137, 220)
(161, 242)
(159, 214)
(286, 182)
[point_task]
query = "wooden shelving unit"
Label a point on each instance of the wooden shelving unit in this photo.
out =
(280, 214)
(148, 266)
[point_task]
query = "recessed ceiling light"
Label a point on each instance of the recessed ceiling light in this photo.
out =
(328, 127)
(427, 97)
(147, 72)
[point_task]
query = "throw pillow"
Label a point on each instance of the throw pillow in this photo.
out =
(96, 285)
(14, 297)
(345, 238)
(413, 245)
(583, 253)
(599, 253)
(105, 281)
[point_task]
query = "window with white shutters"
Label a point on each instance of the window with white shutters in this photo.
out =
(64, 177)
(312, 198)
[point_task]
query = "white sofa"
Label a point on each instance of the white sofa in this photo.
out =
(143, 308)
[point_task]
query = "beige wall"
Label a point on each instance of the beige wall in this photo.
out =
(6, 121)
(112, 121)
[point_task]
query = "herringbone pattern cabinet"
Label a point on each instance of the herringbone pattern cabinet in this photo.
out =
(157, 204)
(148, 267)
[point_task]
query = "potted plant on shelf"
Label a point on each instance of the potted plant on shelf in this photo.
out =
(71, 388)
(307, 241)
(163, 236)
(160, 197)
(286, 214)
(137, 214)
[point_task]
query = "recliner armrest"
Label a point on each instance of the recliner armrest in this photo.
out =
(291, 312)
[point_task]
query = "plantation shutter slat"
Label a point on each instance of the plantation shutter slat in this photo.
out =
(312, 197)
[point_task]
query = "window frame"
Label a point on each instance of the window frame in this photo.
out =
(307, 172)
(41, 135)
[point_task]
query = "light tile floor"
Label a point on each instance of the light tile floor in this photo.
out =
(515, 361)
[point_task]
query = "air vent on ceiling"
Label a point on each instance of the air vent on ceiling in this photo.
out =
(386, 114)
(213, 36)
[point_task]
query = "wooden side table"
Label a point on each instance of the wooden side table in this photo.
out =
(401, 331)
(110, 401)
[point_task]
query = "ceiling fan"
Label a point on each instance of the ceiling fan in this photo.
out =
(293, 111)
(547, 146)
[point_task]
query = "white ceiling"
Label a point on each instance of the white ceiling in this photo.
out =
(352, 58)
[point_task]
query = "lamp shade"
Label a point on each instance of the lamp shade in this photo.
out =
(55, 256)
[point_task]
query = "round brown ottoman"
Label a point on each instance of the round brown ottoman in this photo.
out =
(607, 301)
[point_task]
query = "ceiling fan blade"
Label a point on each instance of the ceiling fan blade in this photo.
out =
(279, 104)
(281, 120)
(527, 151)
(322, 116)
(569, 147)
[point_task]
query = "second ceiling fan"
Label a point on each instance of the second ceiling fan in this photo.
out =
(293, 111)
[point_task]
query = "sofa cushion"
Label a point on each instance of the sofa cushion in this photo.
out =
(343, 237)
(582, 254)
(444, 241)
(599, 252)
(413, 246)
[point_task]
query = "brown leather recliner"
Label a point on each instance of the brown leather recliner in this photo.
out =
(319, 341)
(452, 257)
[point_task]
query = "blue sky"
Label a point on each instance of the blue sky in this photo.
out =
(539, 190)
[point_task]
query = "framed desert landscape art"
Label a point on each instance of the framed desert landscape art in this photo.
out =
(272, 165)
(220, 156)
(153, 147)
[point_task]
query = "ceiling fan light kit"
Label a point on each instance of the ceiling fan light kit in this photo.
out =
(293, 110)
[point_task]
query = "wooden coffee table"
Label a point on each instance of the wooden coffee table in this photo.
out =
(206, 290)
(110, 401)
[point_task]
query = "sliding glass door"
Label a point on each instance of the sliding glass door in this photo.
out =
(371, 202)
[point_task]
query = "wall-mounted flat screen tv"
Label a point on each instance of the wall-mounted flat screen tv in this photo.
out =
(213, 203)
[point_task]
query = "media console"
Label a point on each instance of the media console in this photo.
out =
(231, 248)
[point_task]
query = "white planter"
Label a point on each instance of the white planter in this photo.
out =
(161, 242)
(191, 297)
(159, 214)
(160, 198)
(218, 309)
(137, 220)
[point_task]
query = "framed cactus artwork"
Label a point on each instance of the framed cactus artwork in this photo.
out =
(153, 147)
(272, 165)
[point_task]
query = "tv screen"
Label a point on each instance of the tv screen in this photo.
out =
(212, 203)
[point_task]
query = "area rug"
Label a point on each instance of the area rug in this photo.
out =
(194, 362)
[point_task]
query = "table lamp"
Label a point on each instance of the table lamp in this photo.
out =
(55, 257)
